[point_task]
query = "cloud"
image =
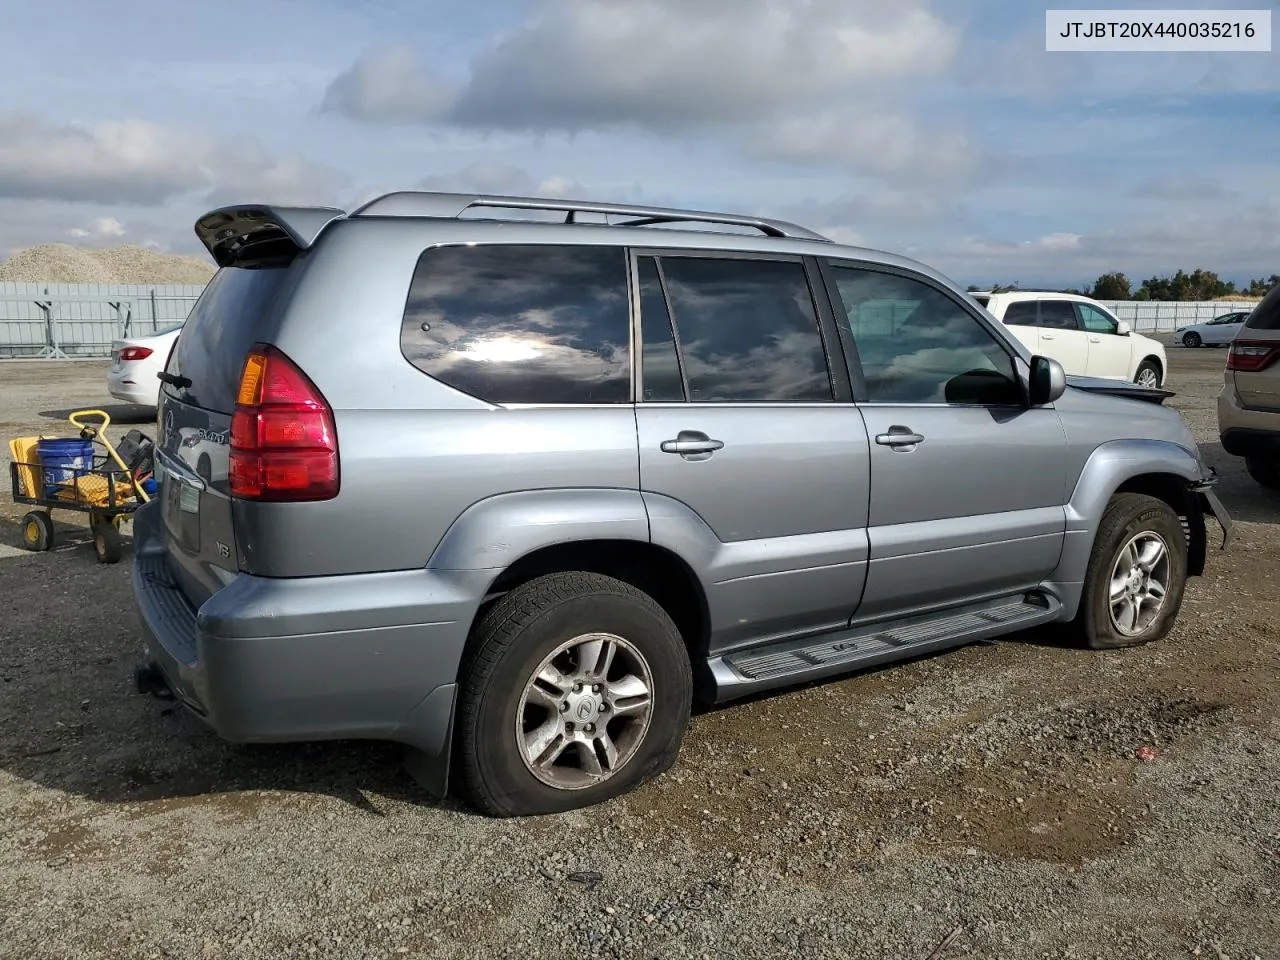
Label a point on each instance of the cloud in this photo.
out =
(583, 64)
(124, 161)
(388, 84)
(589, 64)
(800, 81)
(890, 145)
(102, 227)
(488, 176)
(138, 163)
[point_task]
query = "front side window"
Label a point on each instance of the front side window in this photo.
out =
(748, 330)
(1058, 315)
(918, 345)
(522, 323)
(1094, 320)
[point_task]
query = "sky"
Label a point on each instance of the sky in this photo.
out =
(940, 129)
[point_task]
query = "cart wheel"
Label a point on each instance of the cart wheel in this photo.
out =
(107, 543)
(37, 531)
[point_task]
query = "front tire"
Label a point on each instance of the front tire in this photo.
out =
(1136, 575)
(1192, 340)
(1147, 375)
(576, 689)
(1265, 471)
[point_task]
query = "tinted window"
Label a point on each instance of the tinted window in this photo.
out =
(1266, 315)
(522, 324)
(918, 345)
(1094, 320)
(981, 298)
(225, 322)
(661, 374)
(1021, 314)
(1057, 314)
(748, 330)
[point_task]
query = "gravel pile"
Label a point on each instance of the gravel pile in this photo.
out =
(64, 263)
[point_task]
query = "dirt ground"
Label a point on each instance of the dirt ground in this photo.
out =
(993, 792)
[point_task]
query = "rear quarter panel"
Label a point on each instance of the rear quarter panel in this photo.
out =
(414, 454)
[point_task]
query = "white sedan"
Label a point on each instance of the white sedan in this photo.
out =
(1219, 330)
(135, 361)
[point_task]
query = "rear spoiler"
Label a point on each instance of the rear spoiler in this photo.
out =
(255, 235)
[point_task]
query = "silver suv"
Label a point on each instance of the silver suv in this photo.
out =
(515, 491)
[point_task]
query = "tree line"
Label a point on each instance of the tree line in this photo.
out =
(1196, 285)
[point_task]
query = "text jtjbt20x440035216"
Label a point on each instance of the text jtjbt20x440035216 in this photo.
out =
(514, 492)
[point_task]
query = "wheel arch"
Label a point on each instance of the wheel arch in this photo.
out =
(1158, 468)
(1156, 362)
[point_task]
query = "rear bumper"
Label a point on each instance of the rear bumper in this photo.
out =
(1249, 442)
(372, 656)
(1245, 432)
(143, 394)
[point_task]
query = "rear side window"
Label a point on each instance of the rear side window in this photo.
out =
(1266, 315)
(225, 322)
(1058, 315)
(522, 323)
(748, 330)
(660, 360)
(1021, 314)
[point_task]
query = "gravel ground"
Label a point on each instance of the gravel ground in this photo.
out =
(993, 790)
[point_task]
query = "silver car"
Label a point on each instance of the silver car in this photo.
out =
(514, 492)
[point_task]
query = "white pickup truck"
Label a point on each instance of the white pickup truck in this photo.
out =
(1080, 334)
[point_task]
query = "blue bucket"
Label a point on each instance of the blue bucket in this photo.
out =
(61, 458)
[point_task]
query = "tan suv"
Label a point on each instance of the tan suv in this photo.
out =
(1249, 404)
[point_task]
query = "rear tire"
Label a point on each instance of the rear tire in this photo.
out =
(1148, 374)
(107, 543)
(37, 531)
(1192, 340)
(532, 690)
(1140, 546)
(1265, 471)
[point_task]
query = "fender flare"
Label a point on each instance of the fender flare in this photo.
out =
(1108, 467)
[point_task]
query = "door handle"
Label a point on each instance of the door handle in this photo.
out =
(1047, 336)
(692, 444)
(1095, 339)
(899, 437)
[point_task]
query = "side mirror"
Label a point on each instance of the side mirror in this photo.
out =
(1123, 329)
(1048, 381)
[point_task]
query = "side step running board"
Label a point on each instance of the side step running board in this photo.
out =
(790, 662)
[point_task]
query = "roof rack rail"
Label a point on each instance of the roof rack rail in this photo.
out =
(451, 206)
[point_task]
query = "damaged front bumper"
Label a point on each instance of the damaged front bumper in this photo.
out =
(1202, 491)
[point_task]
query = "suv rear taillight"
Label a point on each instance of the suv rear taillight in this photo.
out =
(284, 444)
(135, 353)
(1250, 356)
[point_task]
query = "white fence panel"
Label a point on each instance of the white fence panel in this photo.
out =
(81, 319)
(1165, 316)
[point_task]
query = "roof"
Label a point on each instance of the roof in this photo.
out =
(244, 233)
(1015, 295)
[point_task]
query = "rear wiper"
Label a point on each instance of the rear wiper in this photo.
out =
(174, 380)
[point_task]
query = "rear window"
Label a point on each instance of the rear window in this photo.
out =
(225, 322)
(523, 323)
(1266, 315)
